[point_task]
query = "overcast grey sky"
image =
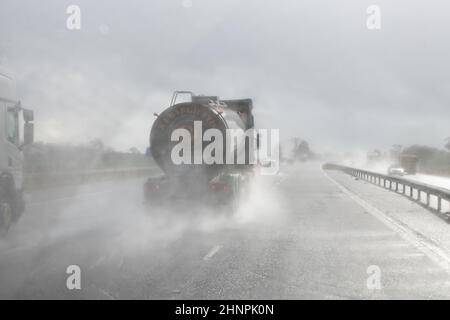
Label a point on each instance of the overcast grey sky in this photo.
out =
(312, 67)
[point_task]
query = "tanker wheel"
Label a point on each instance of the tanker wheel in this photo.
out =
(6, 217)
(235, 194)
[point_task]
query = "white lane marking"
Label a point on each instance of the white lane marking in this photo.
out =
(19, 249)
(436, 254)
(99, 261)
(212, 252)
(103, 292)
(85, 195)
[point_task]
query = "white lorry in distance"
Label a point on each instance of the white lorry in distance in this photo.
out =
(12, 140)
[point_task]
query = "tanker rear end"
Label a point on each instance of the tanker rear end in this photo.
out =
(213, 181)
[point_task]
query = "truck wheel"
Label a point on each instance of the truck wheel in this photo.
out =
(11, 202)
(235, 194)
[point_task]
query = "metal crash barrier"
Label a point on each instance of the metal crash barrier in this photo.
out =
(433, 198)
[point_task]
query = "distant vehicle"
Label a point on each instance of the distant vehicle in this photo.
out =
(406, 164)
(396, 171)
(200, 183)
(12, 141)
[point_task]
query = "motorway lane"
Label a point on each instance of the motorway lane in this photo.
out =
(298, 235)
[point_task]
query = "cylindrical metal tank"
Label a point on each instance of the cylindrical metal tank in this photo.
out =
(212, 114)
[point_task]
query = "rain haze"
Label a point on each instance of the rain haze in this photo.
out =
(312, 67)
(100, 198)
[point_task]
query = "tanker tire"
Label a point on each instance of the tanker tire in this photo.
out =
(12, 204)
(235, 196)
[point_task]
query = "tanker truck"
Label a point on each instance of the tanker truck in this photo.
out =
(213, 175)
(12, 142)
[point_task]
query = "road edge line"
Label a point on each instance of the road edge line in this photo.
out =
(436, 254)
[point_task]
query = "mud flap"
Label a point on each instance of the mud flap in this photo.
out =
(236, 186)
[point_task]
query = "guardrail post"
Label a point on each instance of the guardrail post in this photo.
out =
(439, 204)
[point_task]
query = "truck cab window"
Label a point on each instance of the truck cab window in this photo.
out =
(12, 126)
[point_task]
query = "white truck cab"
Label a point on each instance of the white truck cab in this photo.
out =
(13, 137)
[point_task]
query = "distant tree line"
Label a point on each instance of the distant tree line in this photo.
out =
(431, 160)
(49, 157)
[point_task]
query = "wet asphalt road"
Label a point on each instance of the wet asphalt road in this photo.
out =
(297, 236)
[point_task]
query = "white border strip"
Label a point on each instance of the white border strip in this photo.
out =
(432, 251)
(212, 252)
